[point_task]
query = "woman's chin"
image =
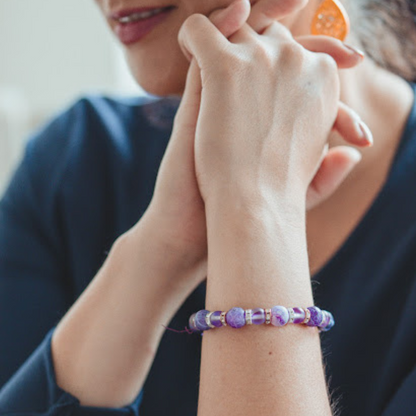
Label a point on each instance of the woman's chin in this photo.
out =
(163, 89)
(161, 82)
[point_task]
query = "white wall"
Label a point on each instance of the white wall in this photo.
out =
(51, 51)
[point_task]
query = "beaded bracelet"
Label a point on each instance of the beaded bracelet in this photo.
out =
(204, 320)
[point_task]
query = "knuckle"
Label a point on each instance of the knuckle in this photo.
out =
(291, 52)
(194, 22)
(328, 63)
(328, 69)
(277, 31)
(283, 31)
(262, 53)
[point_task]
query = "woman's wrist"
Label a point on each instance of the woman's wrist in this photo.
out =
(164, 270)
(258, 259)
(244, 201)
(170, 234)
(258, 255)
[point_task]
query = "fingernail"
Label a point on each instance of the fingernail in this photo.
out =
(366, 132)
(358, 52)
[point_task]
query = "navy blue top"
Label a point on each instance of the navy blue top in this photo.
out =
(89, 175)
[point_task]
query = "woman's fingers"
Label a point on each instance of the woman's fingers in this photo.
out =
(348, 123)
(227, 21)
(265, 12)
(200, 39)
(337, 163)
(205, 38)
(344, 55)
(353, 130)
(231, 19)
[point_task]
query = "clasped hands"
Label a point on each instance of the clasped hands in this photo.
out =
(253, 124)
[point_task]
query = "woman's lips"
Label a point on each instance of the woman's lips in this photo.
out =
(132, 32)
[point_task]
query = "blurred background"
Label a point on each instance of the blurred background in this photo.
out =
(51, 53)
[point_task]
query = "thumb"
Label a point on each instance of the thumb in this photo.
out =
(335, 167)
(227, 21)
(178, 159)
(200, 39)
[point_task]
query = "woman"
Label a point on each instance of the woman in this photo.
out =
(246, 156)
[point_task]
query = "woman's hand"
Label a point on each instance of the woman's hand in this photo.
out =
(338, 161)
(267, 108)
(177, 207)
(176, 214)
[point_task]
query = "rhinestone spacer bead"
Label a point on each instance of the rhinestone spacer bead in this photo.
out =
(291, 315)
(248, 314)
(222, 318)
(208, 320)
(307, 315)
(268, 313)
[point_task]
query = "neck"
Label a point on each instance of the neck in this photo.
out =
(383, 101)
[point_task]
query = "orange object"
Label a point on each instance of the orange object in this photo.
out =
(331, 19)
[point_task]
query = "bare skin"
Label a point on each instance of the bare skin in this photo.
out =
(119, 300)
(243, 234)
(382, 100)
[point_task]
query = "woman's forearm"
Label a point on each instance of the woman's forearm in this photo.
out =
(259, 259)
(105, 345)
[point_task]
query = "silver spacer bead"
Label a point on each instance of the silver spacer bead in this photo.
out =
(307, 315)
(248, 314)
(193, 320)
(208, 320)
(291, 315)
(268, 313)
(222, 318)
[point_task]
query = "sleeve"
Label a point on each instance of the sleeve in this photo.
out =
(35, 283)
(33, 390)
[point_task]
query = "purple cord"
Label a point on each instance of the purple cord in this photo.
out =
(188, 331)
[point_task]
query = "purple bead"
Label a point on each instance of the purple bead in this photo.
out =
(215, 319)
(192, 324)
(200, 322)
(299, 315)
(326, 320)
(235, 317)
(330, 324)
(280, 316)
(316, 316)
(258, 316)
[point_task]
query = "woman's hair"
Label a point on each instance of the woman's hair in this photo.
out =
(387, 32)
